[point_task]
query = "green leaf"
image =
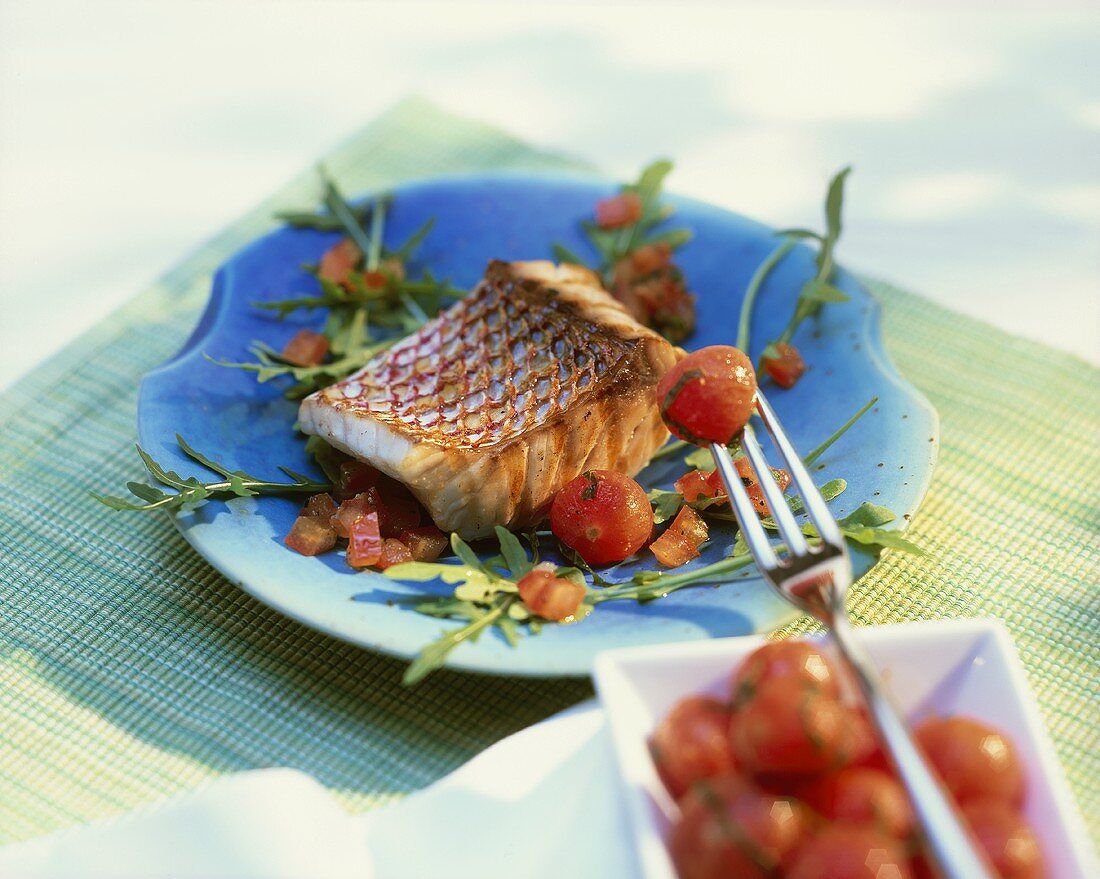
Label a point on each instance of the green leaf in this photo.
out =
(420, 572)
(674, 238)
(666, 504)
(799, 234)
(463, 551)
(435, 654)
(834, 203)
(867, 515)
(514, 555)
(882, 537)
(564, 254)
(406, 250)
(652, 178)
(700, 459)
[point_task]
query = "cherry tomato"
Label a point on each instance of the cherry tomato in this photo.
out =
(364, 542)
(605, 516)
(549, 596)
(796, 662)
(973, 759)
(863, 796)
(681, 541)
(339, 261)
(306, 348)
(850, 851)
(728, 828)
(788, 729)
(310, 535)
(619, 210)
(691, 743)
(708, 396)
(784, 364)
(1008, 840)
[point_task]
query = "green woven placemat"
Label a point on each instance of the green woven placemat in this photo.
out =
(130, 670)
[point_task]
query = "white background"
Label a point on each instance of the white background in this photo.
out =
(129, 132)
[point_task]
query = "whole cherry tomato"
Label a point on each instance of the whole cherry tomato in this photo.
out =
(708, 396)
(794, 661)
(973, 759)
(605, 516)
(729, 828)
(1007, 840)
(692, 742)
(850, 851)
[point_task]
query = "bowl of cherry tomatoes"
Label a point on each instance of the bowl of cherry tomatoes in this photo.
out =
(746, 758)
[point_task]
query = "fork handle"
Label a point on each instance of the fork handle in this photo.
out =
(950, 847)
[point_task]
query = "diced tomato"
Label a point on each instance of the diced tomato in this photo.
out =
(709, 395)
(650, 258)
(321, 505)
(394, 552)
(339, 261)
(375, 280)
(549, 596)
(349, 512)
(692, 743)
(681, 541)
(306, 348)
(752, 487)
(426, 543)
(619, 210)
(696, 486)
(310, 535)
(785, 365)
(397, 510)
(602, 514)
(365, 542)
(355, 477)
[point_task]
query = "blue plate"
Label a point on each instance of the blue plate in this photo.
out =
(887, 458)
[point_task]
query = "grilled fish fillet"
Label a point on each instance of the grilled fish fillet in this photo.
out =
(491, 407)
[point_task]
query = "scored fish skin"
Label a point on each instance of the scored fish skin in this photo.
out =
(491, 407)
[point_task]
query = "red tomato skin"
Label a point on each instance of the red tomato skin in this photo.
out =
(364, 542)
(692, 743)
(1006, 838)
(973, 759)
(310, 535)
(619, 210)
(397, 510)
(603, 515)
(548, 596)
(866, 797)
(787, 367)
(681, 540)
(797, 662)
(339, 261)
(786, 729)
(765, 831)
(697, 485)
(709, 395)
(850, 851)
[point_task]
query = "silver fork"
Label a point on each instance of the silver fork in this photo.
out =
(815, 579)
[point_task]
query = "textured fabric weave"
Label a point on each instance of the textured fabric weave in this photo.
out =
(130, 670)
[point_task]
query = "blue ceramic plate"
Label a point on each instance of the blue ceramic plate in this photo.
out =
(887, 458)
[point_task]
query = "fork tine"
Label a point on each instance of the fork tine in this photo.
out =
(816, 508)
(784, 519)
(755, 537)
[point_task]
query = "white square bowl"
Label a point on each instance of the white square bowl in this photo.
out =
(961, 667)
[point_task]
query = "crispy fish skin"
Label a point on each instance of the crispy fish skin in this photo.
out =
(494, 405)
